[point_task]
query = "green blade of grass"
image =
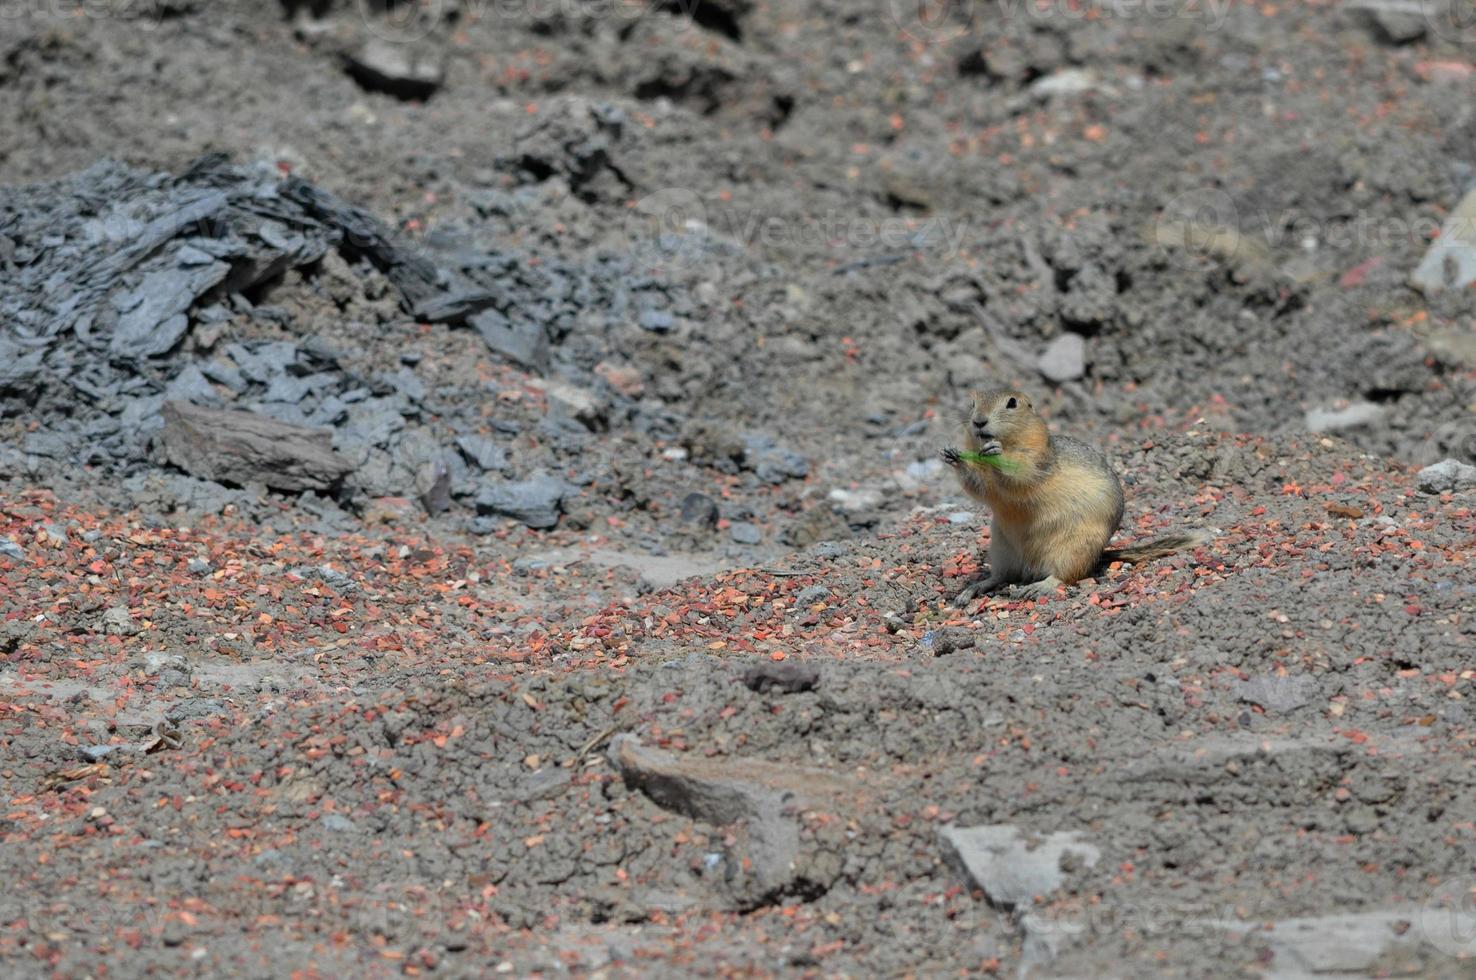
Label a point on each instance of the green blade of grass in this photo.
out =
(998, 462)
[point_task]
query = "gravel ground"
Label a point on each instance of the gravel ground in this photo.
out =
(623, 647)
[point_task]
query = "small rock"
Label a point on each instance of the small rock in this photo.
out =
(433, 486)
(522, 341)
(1393, 21)
(534, 502)
(1279, 694)
(745, 533)
(336, 823)
(812, 594)
(623, 378)
(657, 321)
(117, 621)
(1346, 944)
(229, 446)
(699, 509)
(1447, 476)
(487, 454)
(10, 549)
(191, 708)
(401, 70)
(772, 857)
(1065, 359)
(1450, 262)
(97, 753)
(943, 642)
(787, 678)
(199, 566)
(1000, 861)
(578, 403)
(1067, 81)
(856, 501)
(1334, 420)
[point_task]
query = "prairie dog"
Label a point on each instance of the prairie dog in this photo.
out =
(1054, 506)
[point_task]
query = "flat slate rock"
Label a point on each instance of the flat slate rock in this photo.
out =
(534, 502)
(1010, 869)
(230, 446)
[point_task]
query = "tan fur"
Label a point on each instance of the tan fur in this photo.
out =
(1055, 510)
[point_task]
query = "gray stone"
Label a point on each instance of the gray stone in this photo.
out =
(812, 594)
(336, 823)
(786, 678)
(1450, 262)
(191, 708)
(699, 509)
(1277, 693)
(1067, 81)
(10, 549)
(97, 753)
(1003, 863)
(657, 321)
(433, 486)
(1336, 419)
(229, 446)
(1393, 21)
(487, 454)
(1348, 944)
(1447, 476)
(118, 621)
(771, 858)
(535, 502)
(1064, 360)
(151, 317)
(745, 533)
(582, 404)
(523, 342)
(402, 70)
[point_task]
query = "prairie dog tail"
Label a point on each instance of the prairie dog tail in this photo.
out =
(1158, 547)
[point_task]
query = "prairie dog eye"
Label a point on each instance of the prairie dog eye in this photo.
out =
(1012, 403)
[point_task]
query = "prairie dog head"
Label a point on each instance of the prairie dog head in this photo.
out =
(1005, 417)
